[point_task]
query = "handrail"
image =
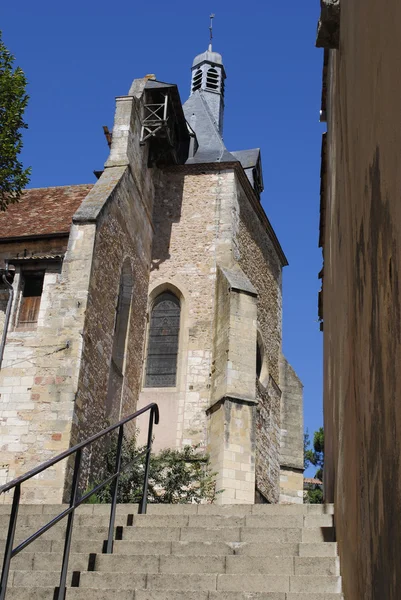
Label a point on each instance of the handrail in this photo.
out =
(10, 552)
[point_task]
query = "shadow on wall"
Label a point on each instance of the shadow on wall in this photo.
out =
(166, 211)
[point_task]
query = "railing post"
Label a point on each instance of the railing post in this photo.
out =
(144, 501)
(70, 522)
(10, 542)
(109, 545)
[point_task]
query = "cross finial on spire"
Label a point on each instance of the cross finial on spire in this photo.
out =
(211, 31)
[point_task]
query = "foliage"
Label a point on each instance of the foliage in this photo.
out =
(13, 101)
(306, 448)
(175, 476)
(314, 456)
(314, 496)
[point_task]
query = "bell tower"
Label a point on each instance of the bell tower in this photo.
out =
(208, 77)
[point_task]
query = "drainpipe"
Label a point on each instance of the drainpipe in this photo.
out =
(8, 314)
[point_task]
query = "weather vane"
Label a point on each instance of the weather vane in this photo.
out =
(211, 30)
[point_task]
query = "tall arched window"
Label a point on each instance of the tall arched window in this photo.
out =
(116, 373)
(161, 364)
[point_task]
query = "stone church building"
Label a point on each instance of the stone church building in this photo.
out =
(160, 283)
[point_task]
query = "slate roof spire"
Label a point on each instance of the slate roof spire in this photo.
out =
(208, 77)
(204, 109)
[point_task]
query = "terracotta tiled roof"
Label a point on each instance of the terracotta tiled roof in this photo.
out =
(43, 211)
(312, 481)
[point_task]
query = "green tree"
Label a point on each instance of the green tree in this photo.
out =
(306, 448)
(13, 101)
(175, 476)
(314, 456)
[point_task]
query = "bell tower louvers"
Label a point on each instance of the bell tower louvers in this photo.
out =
(208, 77)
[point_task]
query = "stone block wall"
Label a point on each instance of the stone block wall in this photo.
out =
(292, 435)
(258, 258)
(40, 372)
(268, 441)
(54, 382)
(191, 223)
(233, 408)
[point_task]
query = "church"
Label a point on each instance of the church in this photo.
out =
(161, 282)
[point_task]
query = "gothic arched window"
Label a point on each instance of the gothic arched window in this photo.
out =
(197, 80)
(212, 79)
(161, 364)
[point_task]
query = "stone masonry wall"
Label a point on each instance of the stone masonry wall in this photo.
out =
(40, 371)
(292, 435)
(260, 262)
(53, 382)
(258, 258)
(124, 235)
(268, 441)
(190, 223)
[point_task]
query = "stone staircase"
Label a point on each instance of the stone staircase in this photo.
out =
(181, 552)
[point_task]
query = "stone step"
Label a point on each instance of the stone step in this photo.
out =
(318, 549)
(245, 582)
(261, 521)
(208, 564)
(112, 594)
(178, 509)
(278, 535)
(196, 548)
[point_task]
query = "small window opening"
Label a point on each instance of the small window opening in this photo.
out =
(32, 288)
(212, 79)
(262, 367)
(197, 80)
(259, 360)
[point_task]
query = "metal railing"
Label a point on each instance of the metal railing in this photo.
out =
(10, 552)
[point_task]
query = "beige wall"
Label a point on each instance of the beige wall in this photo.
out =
(292, 435)
(361, 298)
(187, 223)
(205, 221)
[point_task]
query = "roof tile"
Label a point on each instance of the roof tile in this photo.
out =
(43, 211)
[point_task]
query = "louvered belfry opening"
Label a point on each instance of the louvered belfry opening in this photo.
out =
(212, 79)
(197, 80)
(161, 365)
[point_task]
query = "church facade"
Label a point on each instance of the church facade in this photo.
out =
(160, 283)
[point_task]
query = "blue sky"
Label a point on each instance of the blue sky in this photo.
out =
(79, 55)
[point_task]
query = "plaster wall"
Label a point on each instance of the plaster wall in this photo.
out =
(361, 299)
